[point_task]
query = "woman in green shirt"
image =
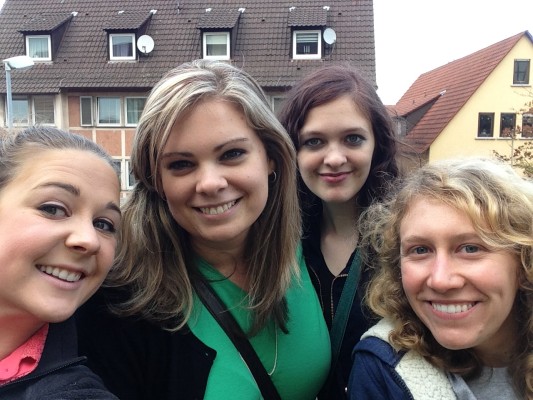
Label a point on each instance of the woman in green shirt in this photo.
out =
(215, 203)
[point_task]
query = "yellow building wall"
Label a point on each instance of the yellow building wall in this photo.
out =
(496, 95)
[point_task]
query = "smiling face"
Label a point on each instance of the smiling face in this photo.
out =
(459, 287)
(214, 172)
(58, 218)
(335, 152)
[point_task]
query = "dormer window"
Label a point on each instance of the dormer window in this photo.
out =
(306, 25)
(218, 29)
(123, 29)
(216, 45)
(122, 46)
(39, 47)
(307, 45)
(43, 34)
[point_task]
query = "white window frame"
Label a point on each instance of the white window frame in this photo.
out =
(112, 57)
(215, 57)
(126, 114)
(35, 114)
(119, 164)
(119, 108)
(127, 181)
(49, 49)
(129, 178)
(527, 118)
(309, 56)
(30, 118)
(82, 113)
(276, 102)
(18, 121)
(527, 77)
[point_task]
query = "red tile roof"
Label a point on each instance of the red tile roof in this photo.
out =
(449, 86)
(262, 46)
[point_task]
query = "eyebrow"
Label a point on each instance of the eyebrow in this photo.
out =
(353, 130)
(418, 238)
(217, 148)
(76, 192)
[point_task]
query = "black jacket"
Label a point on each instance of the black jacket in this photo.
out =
(60, 374)
(160, 364)
(329, 289)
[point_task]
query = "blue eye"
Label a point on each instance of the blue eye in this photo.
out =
(470, 248)
(313, 142)
(420, 250)
(354, 139)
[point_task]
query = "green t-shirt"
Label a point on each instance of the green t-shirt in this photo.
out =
(298, 362)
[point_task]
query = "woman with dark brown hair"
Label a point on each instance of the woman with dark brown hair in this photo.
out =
(346, 151)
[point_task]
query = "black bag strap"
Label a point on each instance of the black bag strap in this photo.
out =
(227, 322)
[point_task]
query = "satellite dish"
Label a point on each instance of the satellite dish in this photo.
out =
(145, 44)
(329, 36)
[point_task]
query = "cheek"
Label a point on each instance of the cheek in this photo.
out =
(364, 159)
(308, 160)
(107, 255)
(411, 280)
(175, 193)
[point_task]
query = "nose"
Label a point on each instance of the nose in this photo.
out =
(83, 237)
(335, 156)
(445, 274)
(210, 180)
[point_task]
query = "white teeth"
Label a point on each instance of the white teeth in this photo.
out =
(219, 209)
(62, 274)
(452, 308)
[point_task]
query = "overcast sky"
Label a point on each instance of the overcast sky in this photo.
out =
(417, 36)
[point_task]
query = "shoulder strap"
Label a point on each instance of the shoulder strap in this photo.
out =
(228, 323)
(338, 326)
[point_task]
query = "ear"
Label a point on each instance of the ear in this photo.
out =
(271, 166)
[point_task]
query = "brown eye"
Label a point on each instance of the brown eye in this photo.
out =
(104, 225)
(232, 154)
(53, 210)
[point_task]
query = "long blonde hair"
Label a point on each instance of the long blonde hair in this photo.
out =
(156, 262)
(500, 206)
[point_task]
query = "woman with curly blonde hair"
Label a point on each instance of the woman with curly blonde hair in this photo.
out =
(453, 284)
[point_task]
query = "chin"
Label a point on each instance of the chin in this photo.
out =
(58, 315)
(451, 344)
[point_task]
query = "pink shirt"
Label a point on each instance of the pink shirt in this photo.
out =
(25, 358)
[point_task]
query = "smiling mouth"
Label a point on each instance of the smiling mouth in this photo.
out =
(452, 308)
(219, 209)
(59, 273)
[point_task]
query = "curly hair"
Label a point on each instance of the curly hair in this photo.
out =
(157, 264)
(500, 205)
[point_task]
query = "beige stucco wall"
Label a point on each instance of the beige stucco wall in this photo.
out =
(496, 95)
